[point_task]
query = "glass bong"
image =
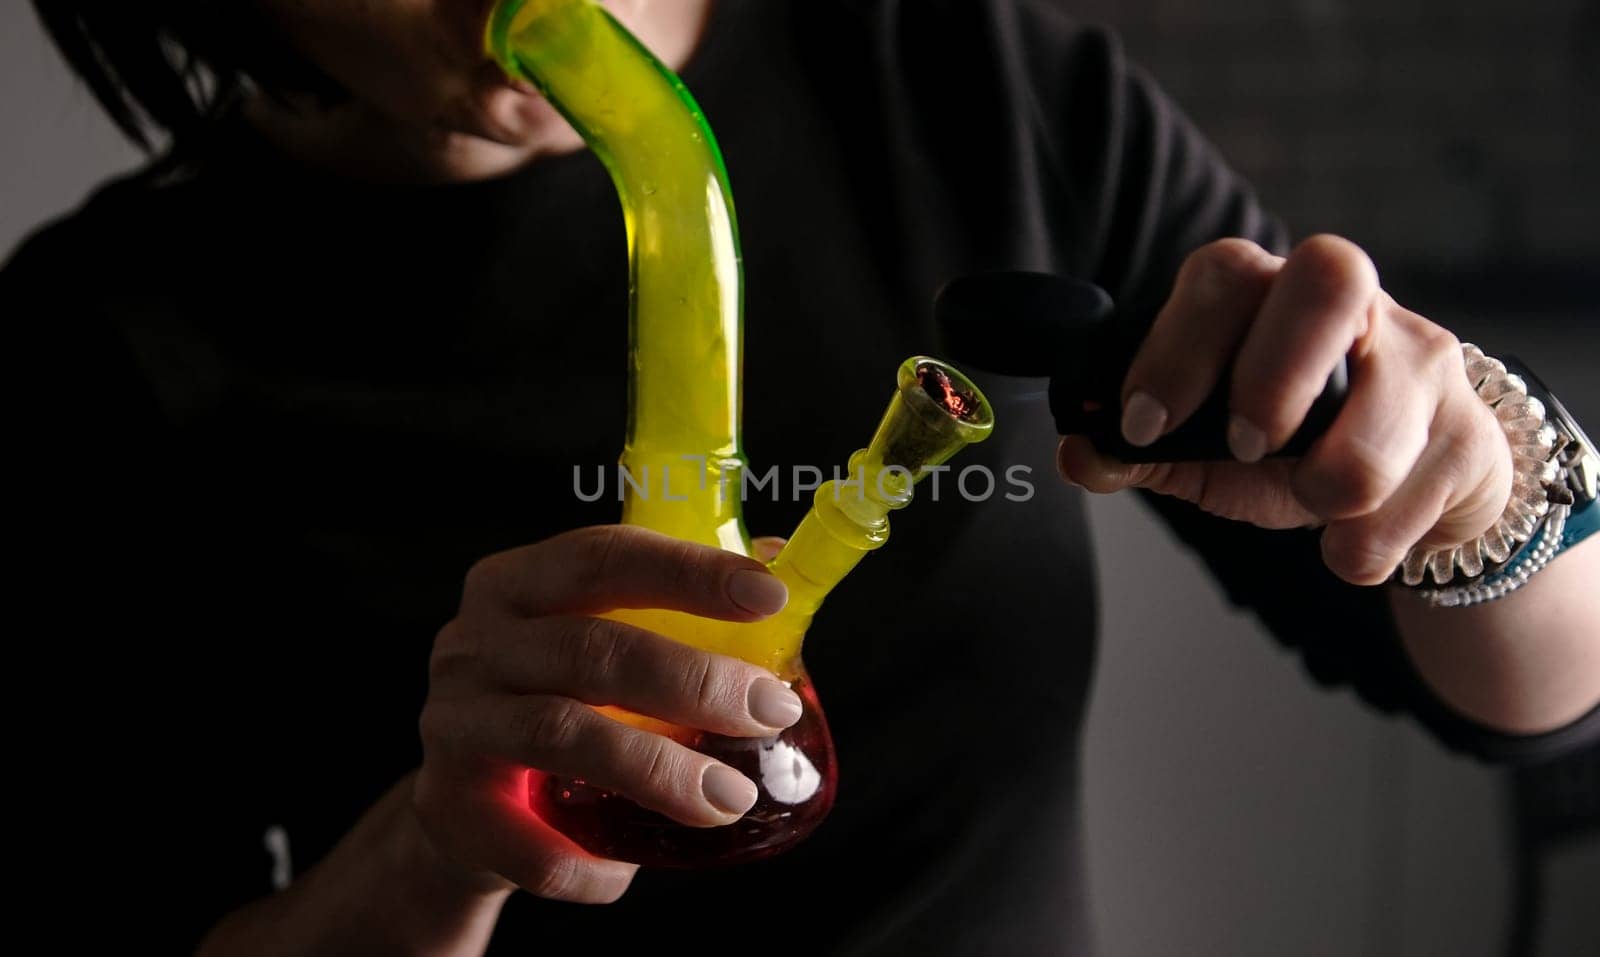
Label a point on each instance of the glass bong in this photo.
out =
(682, 459)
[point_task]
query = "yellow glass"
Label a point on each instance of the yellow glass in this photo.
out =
(682, 457)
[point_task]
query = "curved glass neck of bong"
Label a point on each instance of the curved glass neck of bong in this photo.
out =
(682, 457)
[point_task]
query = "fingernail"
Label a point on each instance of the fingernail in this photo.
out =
(1248, 443)
(728, 791)
(772, 704)
(757, 592)
(766, 549)
(1143, 418)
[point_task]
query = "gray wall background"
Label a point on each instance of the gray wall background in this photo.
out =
(1233, 809)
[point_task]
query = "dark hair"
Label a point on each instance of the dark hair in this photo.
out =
(170, 67)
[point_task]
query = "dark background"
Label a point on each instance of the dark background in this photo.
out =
(1232, 809)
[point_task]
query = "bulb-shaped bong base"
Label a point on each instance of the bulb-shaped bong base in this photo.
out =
(934, 413)
(795, 773)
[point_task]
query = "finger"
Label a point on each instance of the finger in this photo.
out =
(1448, 479)
(1258, 494)
(1383, 428)
(1080, 463)
(566, 737)
(491, 824)
(545, 863)
(598, 569)
(604, 662)
(767, 547)
(1317, 309)
(1218, 292)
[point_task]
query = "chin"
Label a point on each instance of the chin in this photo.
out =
(500, 131)
(511, 117)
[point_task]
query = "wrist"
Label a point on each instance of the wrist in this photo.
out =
(1553, 478)
(432, 905)
(381, 889)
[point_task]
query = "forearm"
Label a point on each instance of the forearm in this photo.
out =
(380, 890)
(1524, 664)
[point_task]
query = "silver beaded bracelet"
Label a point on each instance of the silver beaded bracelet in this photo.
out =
(1552, 460)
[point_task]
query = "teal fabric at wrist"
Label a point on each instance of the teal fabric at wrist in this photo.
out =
(1583, 522)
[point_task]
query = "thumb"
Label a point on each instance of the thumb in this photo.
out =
(1258, 493)
(1080, 463)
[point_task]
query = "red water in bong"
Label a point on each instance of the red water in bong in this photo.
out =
(795, 773)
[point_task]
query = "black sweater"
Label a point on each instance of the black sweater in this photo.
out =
(282, 413)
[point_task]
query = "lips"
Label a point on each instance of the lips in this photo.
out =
(489, 76)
